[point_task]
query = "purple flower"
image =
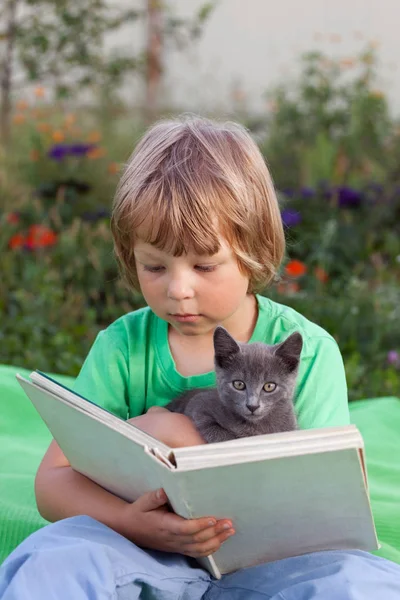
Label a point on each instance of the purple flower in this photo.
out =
(393, 358)
(290, 217)
(289, 192)
(307, 192)
(349, 198)
(80, 149)
(101, 213)
(60, 151)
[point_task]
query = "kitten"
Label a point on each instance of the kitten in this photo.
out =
(254, 393)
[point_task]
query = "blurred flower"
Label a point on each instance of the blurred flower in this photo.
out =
(58, 135)
(34, 155)
(289, 192)
(288, 287)
(39, 91)
(290, 217)
(13, 218)
(19, 118)
(96, 152)
(347, 63)
(113, 168)
(21, 105)
(60, 151)
(295, 268)
(348, 198)
(321, 274)
(16, 241)
(80, 149)
(39, 236)
(335, 38)
(393, 358)
(43, 127)
(377, 94)
(307, 192)
(94, 137)
(101, 213)
(70, 119)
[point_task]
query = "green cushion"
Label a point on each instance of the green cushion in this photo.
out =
(24, 438)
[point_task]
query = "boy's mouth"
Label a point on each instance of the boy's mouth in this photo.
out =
(185, 317)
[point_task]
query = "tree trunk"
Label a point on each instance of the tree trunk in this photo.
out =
(154, 57)
(6, 69)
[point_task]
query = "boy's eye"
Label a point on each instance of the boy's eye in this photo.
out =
(239, 385)
(153, 269)
(269, 387)
(206, 268)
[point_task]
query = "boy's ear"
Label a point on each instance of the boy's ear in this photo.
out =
(289, 350)
(225, 347)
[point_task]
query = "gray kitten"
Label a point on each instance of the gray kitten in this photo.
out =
(254, 393)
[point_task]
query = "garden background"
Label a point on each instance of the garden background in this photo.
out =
(328, 133)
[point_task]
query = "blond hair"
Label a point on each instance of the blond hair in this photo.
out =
(191, 180)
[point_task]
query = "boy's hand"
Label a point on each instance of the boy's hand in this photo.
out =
(149, 524)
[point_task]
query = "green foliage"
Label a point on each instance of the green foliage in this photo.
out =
(62, 42)
(334, 152)
(332, 123)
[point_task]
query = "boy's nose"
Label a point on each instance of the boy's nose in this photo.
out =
(179, 290)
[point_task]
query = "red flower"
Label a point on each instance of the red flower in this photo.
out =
(295, 268)
(40, 236)
(321, 274)
(17, 241)
(12, 218)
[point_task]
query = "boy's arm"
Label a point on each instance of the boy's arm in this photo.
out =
(61, 492)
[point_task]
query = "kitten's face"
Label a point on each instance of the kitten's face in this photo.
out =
(253, 378)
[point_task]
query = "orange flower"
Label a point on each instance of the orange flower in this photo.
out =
(113, 168)
(21, 105)
(321, 274)
(70, 119)
(43, 127)
(34, 155)
(293, 287)
(93, 137)
(377, 94)
(19, 118)
(39, 91)
(40, 236)
(76, 131)
(295, 268)
(95, 153)
(347, 63)
(16, 241)
(58, 135)
(288, 287)
(335, 38)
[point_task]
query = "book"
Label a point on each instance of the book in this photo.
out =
(286, 493)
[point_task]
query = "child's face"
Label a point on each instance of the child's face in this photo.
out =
(194, 293)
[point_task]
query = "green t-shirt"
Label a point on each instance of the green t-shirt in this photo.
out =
(130, 366)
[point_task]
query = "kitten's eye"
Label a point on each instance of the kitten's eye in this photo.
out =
(239, 385)
(269, 387)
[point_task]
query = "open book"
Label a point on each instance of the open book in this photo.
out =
(286, 493)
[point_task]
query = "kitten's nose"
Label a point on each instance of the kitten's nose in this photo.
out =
(251, 407)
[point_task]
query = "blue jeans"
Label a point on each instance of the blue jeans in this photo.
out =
(81, 559)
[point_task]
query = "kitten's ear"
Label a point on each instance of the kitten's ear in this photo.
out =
(289, 350)
(225, 347)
